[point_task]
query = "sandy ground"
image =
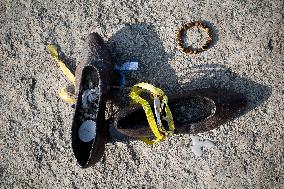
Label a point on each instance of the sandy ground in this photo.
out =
(247, 56)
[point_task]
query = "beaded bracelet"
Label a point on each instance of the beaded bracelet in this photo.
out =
(193, 51)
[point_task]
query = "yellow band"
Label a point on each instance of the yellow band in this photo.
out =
(67, 96)
(63, 93)
(53, 50)
(158, 130)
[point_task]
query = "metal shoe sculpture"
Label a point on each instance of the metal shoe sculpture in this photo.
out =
(216, 107)
(92, 75)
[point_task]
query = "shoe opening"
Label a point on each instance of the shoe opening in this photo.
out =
(86, 110)
(191, 110)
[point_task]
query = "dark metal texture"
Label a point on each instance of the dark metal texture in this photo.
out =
(96, 61)
(227, 105)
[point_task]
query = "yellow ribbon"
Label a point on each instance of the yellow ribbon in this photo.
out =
(67, 96)
(63, 93)
(158, 130)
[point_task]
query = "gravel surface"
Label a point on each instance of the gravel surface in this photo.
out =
(247, 56)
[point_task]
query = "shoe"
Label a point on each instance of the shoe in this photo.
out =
(92, 75)
(214, 108)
